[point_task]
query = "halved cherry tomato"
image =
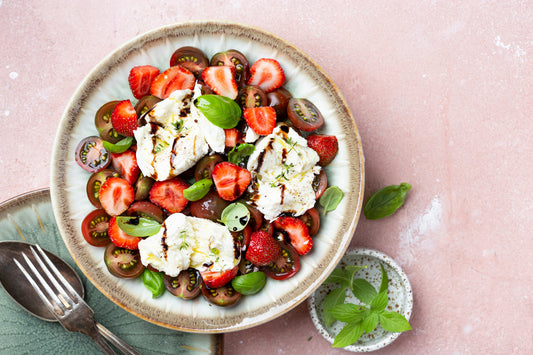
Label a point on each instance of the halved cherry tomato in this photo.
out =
(210, 206)
(236, 59)
(102, 121)
(279, 100)
(304, 114)
(251, 96)
(285, 266)
(320, 183)
(246, 267)
(204, 168)
(95, 181)
(221, 296)
(147, 210)
(123, 263)
(190, 58)
(94, 228)
(214, 279)
(257, 217)
(91, 155)
(145, 104)
(186, 285)
(312, 219)
(242, 239)
(266, 226)
(142, 187)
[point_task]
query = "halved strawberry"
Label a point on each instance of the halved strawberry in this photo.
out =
(172, 79)
(116, 195)
(261, 119)
(233, 136)
(298, 233)
(120, 238)
(169, 194)
(124, 118)
(125, 164)
(222, 80)
(325, 146)
(141, 78)
(263, 249)
(267, 74)
(214, 279)
(230, 180)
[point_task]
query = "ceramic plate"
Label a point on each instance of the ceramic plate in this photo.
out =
(109, 81)
(29, 218)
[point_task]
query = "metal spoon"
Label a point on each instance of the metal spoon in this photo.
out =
(23, 294)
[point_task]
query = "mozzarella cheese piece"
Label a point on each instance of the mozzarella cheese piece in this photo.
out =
(283, 169)
(184, 242)
(174, 136)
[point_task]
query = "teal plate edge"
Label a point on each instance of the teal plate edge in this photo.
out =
(29, 217)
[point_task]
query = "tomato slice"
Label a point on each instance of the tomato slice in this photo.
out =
(312, 220)
(221, 296)
(91, 155)
(94, 228)
(204, 168)
(320, 183)
(304, 115)
(123, 263)
(235, 59)
(95, 181)
(145, 104)
(191, 58)
(102, 121)
(147, 210)
(186, 285)
(285, 266)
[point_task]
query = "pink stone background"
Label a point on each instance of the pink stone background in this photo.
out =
(442, 95)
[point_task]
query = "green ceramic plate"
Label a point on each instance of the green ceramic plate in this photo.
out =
(29, 218)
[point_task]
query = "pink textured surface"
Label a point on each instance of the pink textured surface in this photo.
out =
(442, 96)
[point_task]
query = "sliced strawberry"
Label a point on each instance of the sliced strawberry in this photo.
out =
(124, 118)
(141, 78)
(126, 165)
(116, 195)
(222, 80)
(172, 79)
(261, 119)
(298, 233)
(230, 180)
(214, 279)
(325, 146)
(263, 249)
(233, 136)
(169, 194)
(120, 238)
(267, 74)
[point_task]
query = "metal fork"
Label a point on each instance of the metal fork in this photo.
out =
(67, 305)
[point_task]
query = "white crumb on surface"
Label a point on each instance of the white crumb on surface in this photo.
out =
(515, 49)
(13, 75)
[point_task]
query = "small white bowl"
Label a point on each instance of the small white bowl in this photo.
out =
(400, 298)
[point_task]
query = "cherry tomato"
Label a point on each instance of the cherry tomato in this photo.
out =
(186, 285)
(142, 187)
(312, 219)
(95, 181)
(123, 263)
(251, 96)
(221, 296)
(304, 115)
(320, 183)
(190, 58)
(236, 59)
(145, 104)
(257, 217)
(102, 121)
(91, 155)
(279, 100)
(246, 267)
(147, 210)
(204, 168)
(94, 228)
(285, 266)
(242, 239)
(210, 206)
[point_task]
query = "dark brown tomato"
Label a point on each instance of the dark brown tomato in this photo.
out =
(145, 104)
(102, 121)
(94, 228)
(210, 206)
(91, 155)
(204, 168)
(123, 263)
(235, 59)
(320, 183)
(304, 115)
(279, 100)
(251, 96)
(222, 296)
(285, 266)
(147, 210)
(190, 58)
(312, 219)
(266, 226)
(187, 285)
(95, 181)
(142, 187)
(256, 220)
(246, 267)
(241, 240)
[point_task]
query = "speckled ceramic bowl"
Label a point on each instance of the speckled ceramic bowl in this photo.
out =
(109, 81)
(400, 298)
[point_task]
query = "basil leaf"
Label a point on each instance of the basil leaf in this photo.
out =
(239, 153)
(154, 281)
(331, 198)
(197, 190)
(393, 322)
(138, 226)
(384, 279)
(379, 303)
(335, 297)
(348, 335)
(348, 312)
(363, 290)
(120, 147)
(249, 284)
(386, 201)
(221, 111)
(235, 216)
(370, 322)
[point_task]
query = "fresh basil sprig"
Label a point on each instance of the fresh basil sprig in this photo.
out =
(220, 110)
(138, 226)
(235, 216)
(120, 147)
(331, 198)
(249, 284)
(386, 201)
(239, 153)
(154, 281)
(197, 190)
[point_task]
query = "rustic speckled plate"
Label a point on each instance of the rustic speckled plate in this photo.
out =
(400, 298)
(29, 218)
(109, 81)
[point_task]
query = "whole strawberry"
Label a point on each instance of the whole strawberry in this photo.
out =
(325, 146)
(263, 249)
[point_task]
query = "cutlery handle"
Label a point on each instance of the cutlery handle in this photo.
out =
(116, 341)
(97, 337)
